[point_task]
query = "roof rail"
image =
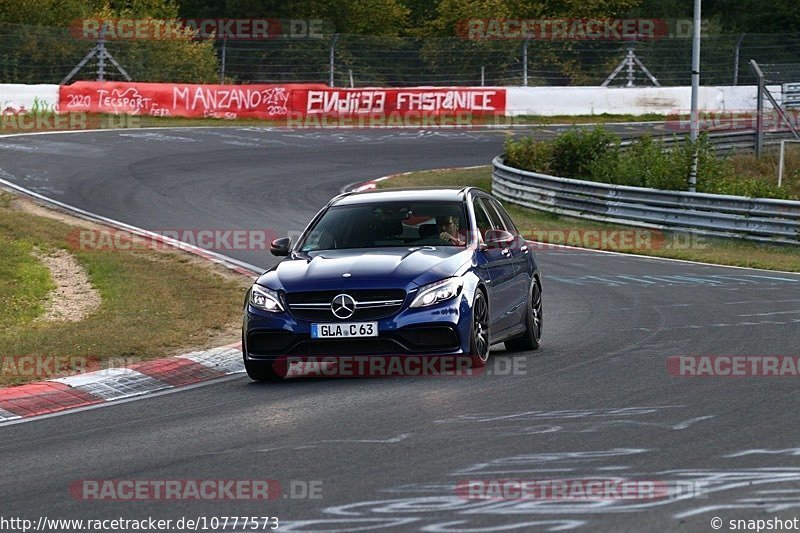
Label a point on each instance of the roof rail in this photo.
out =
(340, 196)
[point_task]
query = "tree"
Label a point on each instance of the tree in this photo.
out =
(43, 50)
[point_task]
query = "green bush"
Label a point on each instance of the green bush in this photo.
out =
(596, 155)
(575, 152)
(528, 153)
(644, 164)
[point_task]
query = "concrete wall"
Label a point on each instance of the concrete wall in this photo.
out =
(18, 97)
(545, 101)
(548, 101)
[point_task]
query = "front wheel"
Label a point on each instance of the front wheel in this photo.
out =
(532, 338)
(479, 339)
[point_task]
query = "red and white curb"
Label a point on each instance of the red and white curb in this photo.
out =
(108, 385)
(368, 185)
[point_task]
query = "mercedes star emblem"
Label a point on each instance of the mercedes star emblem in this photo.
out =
(343, 306)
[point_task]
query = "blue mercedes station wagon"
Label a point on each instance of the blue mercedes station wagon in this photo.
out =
(396, 272)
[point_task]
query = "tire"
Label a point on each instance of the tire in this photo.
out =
(479, 334)
(532, 338)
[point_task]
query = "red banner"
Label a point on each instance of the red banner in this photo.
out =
(279, 102)
(179, 100)
(414, 100)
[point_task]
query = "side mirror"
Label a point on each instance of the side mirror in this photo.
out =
(499, 238)
(280, 246)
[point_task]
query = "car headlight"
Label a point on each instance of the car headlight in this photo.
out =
(265, 299)
(434, 293)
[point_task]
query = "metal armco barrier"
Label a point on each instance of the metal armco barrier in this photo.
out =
(707, 214)
(723, 141)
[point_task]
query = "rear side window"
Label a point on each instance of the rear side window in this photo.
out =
(481, 218)
(505, 217)
(494, 218)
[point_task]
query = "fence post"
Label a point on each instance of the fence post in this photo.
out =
(759, 108)
(736, 60)
(695, 125)
(330, 58)
(525, 62)
(630, 68)
(222, 62)
(101, 56)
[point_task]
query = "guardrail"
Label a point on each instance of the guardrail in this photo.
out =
(716, 215)
(791, 95)
(724, 141)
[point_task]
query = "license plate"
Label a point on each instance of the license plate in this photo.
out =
(344, 330)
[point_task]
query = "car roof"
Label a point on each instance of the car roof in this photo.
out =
(453, 194)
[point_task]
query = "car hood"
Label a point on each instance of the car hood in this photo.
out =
(376, 267)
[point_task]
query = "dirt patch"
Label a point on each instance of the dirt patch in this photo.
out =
(74, 298)
(222, 335)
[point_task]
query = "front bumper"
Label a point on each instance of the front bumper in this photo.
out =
(442, 329)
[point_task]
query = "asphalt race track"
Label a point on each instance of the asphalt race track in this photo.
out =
(595, 402)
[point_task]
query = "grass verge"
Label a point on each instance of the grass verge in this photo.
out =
(551, 228)
(765, 167)
(155, 302)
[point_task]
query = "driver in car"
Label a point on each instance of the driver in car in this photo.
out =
(448, 230)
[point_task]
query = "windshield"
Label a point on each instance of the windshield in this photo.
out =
(388, 224)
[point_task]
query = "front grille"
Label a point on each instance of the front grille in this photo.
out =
(371, 304)
(365, 346)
